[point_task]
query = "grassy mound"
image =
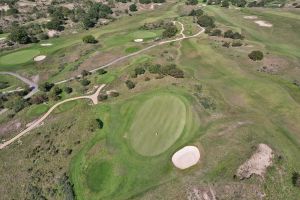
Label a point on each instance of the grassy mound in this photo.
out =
(157, 125)
(19, 57)
(98, 175)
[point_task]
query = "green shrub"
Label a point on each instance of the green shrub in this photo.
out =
(256, 55)
(101, 71)
(89, 39)
(155, 69)
(170, 31)
(139, 70)
(85, 82)
(215, 32)
(191, 2)
(198, 12)
(133, 8)
(206, 21)
(130, 84)
(68, 90)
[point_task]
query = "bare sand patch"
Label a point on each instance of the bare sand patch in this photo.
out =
(138, 40)
(258, 163)
(46, 44)
(186, 157)
(250, 17)
(263, 23)
(52, 33)
(39, 58)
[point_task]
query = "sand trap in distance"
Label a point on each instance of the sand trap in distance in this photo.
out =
(263, 23)
(46, 44)
(39, 58)
(138, 40)
(186, 157)
(250, 17)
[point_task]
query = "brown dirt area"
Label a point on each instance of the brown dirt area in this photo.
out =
(258, 163)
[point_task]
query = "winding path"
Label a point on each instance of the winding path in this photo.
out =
(30, 83)
(93, 97)
(183, 36)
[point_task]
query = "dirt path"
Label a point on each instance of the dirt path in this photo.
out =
(30, 83)
(183, 36)
(92, 97)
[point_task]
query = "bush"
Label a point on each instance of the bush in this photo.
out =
(39, 98)
(226, 44)
(85, 82)
(206, 21)
(20, 35)
(216, 32)
(145, 1)
(102, 97)
(46, 87)
(85, 73)
(89, 39)
(68, 90)
(170, 31)
(101, 71)
(256, 55)
(225, 3)
(233, 35)
(139, 70)
(172, 70)
(130, 85)
(236, 44)
(133, 8)
(197, 12)
(43, 36)
(296, 179)
(155, 69)
(55, 24)
(114, 94)
(191, 2)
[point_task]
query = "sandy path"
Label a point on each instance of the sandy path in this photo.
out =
(183, 36)
(93, 97)
(29, 82)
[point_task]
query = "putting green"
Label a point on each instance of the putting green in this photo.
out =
(19, 57)
(143, 34)
(157, 125)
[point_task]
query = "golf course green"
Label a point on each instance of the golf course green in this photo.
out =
(19, 57)
(157, 125)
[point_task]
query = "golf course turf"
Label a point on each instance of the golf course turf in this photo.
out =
(128, 126)
(19, 57)
(157, 125)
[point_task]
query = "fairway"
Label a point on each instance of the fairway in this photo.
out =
(157, 125)
(19, 57)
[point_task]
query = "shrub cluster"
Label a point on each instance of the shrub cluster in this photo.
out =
(256, 55)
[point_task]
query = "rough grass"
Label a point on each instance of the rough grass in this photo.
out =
(157, 125)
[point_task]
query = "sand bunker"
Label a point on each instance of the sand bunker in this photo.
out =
(39, 58)
(186, 157)
(263, 23)
(46, 44)
(250, 17)
(139, 40)
(258, 163)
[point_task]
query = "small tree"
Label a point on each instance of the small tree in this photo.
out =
(130, 85)
(102, 97)
(170, 31)
(206, 21)
(89, 39)
(216, 32)
(256, 55)
(20, 35)
(133, 8)
(85, 73)
(197, 12)
(46, 87)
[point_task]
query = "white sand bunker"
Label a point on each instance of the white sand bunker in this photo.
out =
(258, 163)
(263, 23)
(39, 58)
(250, 17)
(139, 40)
(46, 44)
(186, 157)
